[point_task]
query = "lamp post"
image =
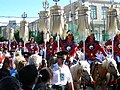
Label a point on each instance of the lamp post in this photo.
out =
(45, 5)
(24, 15)
(58, 33)
(43, 15)
(22, 25)
(56, 1)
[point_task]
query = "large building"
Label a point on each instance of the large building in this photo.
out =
(97, 15)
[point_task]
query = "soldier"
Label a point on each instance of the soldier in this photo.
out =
(32, 46)
(13, 46)
(116, 46)
(51, 48)
(69, 45)
(21, 45)
(91, 48)
(108, 47)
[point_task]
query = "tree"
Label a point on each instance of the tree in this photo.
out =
(1, 38)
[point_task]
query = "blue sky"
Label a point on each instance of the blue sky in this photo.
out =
(31, 7)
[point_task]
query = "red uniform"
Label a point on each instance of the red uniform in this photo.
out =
(69, 45)
(117, 45)
(2, 57)
(32, 48)
(92, 47)
(51, 48)
(13, 46)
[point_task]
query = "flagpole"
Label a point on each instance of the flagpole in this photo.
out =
(57, 33)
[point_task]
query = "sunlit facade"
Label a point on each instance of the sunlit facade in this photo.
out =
(97, 15)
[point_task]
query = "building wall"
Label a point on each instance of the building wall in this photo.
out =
(99, 23)
(3, 31)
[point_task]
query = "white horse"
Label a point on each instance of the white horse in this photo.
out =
(79, 71)
(101, 70)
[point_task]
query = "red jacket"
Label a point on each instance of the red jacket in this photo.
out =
(13, 46)
(71, 48)
(2, 57)
(32, 48)
(92, 48)
(116, 46)
(51, 48)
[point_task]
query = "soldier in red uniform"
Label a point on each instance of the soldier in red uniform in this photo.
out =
(117, 47)
(32, 47)
(91, 48)
(21, 44)
(51, 48)
(13, 46)
(108, 47)
(69, 45)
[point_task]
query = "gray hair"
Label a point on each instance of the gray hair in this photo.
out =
(35, 59)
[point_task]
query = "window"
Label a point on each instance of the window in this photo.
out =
(76, 13)
(70, 18)
(104, 8)
(93, 12)
(65, 17)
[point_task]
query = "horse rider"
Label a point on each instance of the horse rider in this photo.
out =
(62, 78)
(116, 47)
(69, 45)
(108, 47)
(32, 46)
(91, 48)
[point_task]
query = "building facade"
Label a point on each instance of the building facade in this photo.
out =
(97, 15)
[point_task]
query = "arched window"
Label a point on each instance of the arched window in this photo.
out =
(76, 13)
(93, 12)
(104, 8)
(70, 18)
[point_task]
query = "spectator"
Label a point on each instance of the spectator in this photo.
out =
(4, 72)
(9, 83)
(45, 76)
(35, 60)
(27, 76)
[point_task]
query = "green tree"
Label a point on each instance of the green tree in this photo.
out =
(1, 38)
(16, 35)
(39, 38)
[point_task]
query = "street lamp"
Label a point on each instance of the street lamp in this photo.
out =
(24, 15)
(56, 1)
(45, 5)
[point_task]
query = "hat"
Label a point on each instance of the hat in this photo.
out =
(61, 54)
(69, 32)
(26, 54)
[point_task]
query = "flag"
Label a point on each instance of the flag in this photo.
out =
(83, 25)
(56, 20)
(112, 21)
